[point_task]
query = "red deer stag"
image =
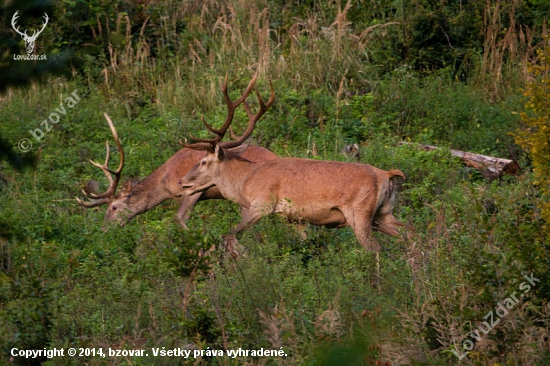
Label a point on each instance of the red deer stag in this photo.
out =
(328, 193)
(138, 197)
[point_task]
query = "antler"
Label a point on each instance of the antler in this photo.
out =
(13, 21)
(252, 119)
(110, 193)
(207, 144)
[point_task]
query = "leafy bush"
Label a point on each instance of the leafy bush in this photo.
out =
(535, 133)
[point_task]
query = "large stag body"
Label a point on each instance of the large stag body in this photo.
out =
(320, 192)
(328, 193)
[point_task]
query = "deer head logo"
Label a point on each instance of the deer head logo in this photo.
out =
(29, 40)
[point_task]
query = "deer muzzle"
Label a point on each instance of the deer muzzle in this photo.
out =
(182, 185)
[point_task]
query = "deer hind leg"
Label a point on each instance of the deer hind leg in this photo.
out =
(186, 208)
(360, 222)
(387, 224)
(384, 221)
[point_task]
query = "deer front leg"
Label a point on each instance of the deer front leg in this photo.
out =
(249, 216)
(229, 241)
(186, 208)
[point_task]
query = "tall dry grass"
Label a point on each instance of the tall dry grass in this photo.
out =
(507, 49)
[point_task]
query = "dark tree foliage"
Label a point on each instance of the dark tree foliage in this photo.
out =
(17, 73)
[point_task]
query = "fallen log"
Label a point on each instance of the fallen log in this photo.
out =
(489, 166)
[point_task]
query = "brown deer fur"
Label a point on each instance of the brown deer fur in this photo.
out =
(328, 193)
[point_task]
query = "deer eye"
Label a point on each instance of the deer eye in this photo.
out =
(114, 207)
(203, 162)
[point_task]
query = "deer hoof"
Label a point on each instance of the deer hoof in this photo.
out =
(231, 245)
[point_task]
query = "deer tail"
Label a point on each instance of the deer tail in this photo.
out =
(396, 172)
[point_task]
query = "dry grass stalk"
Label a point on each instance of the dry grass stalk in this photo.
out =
(342, 26)
(329, 323)
(515, 45)
(242, 35)
(280, 329)
(219, 314)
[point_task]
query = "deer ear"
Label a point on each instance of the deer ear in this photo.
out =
(92, 186)
(127, 187)
(239, 150)
(219, 153)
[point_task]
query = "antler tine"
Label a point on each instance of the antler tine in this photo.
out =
(91, 204)
(208, 144)
(104, 166)
(252, 119)
(113, 183)
(223, 87)
(251, 124)
(118, 144)
(233, 136)
(210, 141)
(232, 105)
(202, 144)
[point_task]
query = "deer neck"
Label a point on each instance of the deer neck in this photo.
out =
(232, 175)
(147, 195)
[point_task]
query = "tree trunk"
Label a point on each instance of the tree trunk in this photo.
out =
(489, 166)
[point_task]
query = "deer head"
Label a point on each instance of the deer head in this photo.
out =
(29, 40)
(199, 177)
